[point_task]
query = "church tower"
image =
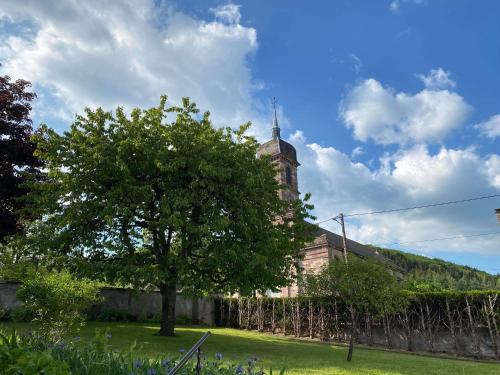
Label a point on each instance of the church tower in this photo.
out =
(284, 157)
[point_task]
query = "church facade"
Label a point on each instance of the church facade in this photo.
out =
(326, 246)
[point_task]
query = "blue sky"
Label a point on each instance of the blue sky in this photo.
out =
(389, 103)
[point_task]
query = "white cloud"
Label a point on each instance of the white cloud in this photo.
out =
(130, 52)
(298, 136)
(357, 64)
(490, 128)
(407, 178)
(379, 113)
(229, 13)
(493, 170)
(437, 79)
(395, 5)
(357, 152)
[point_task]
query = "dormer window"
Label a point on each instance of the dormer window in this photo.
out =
(288, 176)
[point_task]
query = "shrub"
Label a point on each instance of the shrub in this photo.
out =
(5, 315)
(15, 359)
(183, 320)
(115, 315)
(56, 301)
(30, 355)
(21, 314)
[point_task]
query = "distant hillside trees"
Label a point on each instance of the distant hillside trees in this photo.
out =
(425, 274)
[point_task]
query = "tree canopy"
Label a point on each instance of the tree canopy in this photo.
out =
(17, 161)
(365, 286)
(176, 205)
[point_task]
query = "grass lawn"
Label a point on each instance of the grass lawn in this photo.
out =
(299, 357)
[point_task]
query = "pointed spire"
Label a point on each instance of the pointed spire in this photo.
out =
(276, 128)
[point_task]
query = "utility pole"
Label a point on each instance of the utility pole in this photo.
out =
(497, 213)
(344, 239)
(340, 219)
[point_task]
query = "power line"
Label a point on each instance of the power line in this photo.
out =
(414, 207)
(444, 238)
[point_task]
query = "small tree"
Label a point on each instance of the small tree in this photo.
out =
(363, 285)
(175, 205)
(57, 301)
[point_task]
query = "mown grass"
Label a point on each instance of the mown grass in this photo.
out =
(299, 357)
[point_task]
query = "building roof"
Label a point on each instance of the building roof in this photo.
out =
(354, 247)
(278, 146)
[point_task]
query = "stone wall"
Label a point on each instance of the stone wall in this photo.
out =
(137, 303)
(443, 343)
(8, 299)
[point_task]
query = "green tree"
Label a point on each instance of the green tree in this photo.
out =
(17, 162)
(57, 301)
(366, 287)
(176, 205)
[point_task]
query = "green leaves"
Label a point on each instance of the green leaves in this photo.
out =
(176, 203)
(57, 300)
(365, 285)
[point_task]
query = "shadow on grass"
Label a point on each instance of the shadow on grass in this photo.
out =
(299, 357)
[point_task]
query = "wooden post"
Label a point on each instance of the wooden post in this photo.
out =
(297, 306)
(248, 313)
(321, 322)
(273, 322)
(284, 317)
(222, 304)
(452, 326)
(310, 319)
(344, 238)
(240, 312)
(473, 328)
(490, 329)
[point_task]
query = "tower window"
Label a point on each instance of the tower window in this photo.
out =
(288, 176)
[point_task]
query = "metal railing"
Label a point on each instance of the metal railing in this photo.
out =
(196, 348)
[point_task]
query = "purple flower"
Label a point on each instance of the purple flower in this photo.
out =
(239, 369)
(77, 338)
(182, 350)
(137, 363)
(165, 362)
(108, 336)
(218, 356)
(151, 371)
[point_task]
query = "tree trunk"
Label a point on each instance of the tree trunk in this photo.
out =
(353, 334)
(168, 296)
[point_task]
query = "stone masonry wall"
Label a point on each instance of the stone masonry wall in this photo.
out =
(137, 303)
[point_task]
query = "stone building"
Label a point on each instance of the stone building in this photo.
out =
(327, 246)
